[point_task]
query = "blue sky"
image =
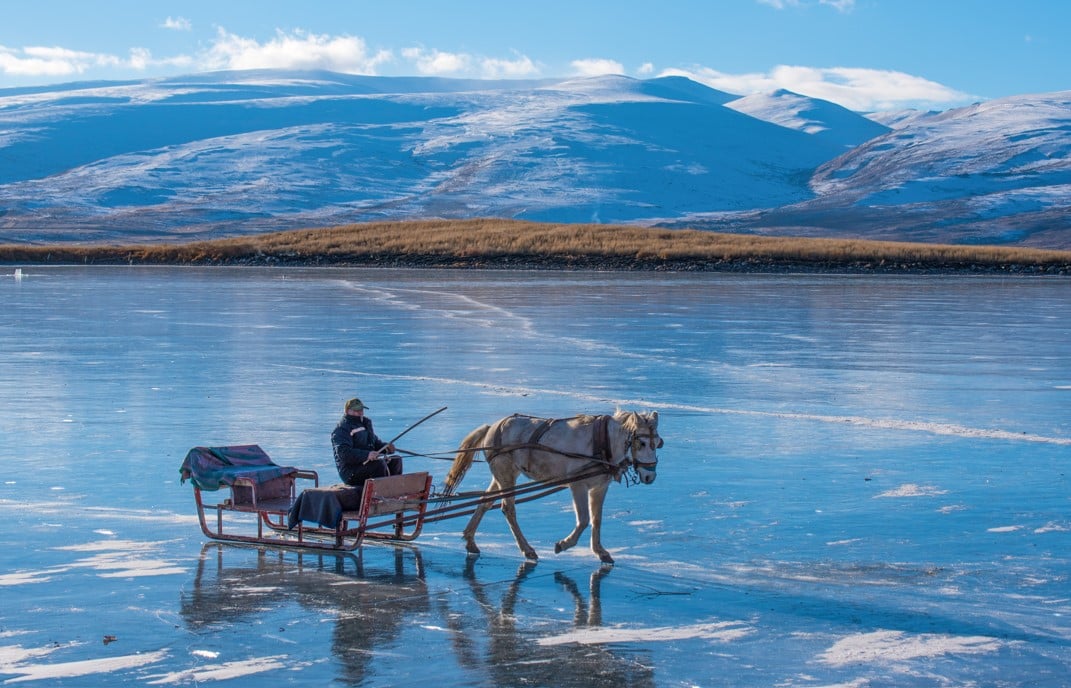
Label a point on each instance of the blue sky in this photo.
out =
(864, 54)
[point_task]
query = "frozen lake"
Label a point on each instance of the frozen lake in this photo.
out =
(864, 481)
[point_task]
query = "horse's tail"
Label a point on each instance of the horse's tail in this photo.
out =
(466, 453)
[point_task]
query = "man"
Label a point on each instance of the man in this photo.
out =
(359, 454)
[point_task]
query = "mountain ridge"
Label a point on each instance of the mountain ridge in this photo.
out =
(225, 154)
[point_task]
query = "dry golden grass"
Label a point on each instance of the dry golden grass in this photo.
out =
(506, 243)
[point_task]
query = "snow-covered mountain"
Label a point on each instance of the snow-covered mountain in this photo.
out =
(811, 116)
(243, 152)
(997, 172)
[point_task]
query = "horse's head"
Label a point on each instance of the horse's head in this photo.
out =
(644, 442)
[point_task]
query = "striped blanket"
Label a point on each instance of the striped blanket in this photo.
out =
(211, 468)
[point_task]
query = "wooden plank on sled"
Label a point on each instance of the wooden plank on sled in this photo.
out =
(404, 497)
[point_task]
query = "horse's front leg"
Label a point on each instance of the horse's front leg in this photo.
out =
(580, 507)
(596, 496)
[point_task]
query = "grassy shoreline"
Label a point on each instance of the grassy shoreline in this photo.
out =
(512, 244)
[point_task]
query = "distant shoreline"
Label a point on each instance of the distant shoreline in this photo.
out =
(590, 264)
(513, 245)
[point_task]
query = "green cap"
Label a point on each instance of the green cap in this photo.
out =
(355, 404)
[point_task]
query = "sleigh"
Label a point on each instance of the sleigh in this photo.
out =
(264, 503)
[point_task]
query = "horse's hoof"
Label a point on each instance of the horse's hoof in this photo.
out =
(558, 549)
(531, 555)
(471, 548)
(606, 558)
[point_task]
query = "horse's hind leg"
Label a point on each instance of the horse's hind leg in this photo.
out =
(509, 510)
(580, 507)
(470, 530)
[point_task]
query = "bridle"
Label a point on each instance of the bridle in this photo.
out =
(633, 449)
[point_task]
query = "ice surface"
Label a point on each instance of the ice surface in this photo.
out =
(864, 480)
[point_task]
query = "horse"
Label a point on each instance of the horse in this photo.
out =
(588, 451)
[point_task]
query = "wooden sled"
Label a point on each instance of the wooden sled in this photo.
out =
(263, 496)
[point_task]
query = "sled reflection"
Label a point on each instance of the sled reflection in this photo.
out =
(369, 603)
(492, 628)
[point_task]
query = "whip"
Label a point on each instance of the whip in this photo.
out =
(402, 433)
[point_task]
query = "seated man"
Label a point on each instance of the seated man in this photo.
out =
(359, 454)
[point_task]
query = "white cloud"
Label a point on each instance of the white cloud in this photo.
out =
(518, 68)
(296, 50)
(645, 69)
(437, 62)
(862, 90)
(140, 58)
(177, 24)
(35, 61)
(53, 62)
(596, 67)
(839, 5)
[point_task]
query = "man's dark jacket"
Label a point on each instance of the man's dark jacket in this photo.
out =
(353, 438)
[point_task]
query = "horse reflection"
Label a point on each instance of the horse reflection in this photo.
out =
(512, 654)
(369, 604)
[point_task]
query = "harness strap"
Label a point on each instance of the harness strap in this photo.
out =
(540, 430)
(600, 447)
(600, 438)
(497, 447)
(601, 451)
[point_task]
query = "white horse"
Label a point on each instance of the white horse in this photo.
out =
(594, 449)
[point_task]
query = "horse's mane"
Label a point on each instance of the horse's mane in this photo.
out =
(630, 420)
